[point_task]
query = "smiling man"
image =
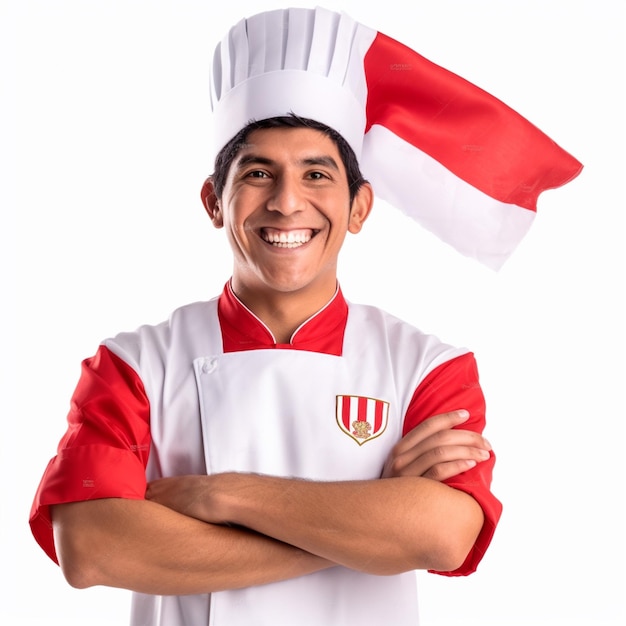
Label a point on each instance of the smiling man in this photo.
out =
(278, 455)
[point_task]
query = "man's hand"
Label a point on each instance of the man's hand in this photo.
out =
(189, 495)
(435, 449)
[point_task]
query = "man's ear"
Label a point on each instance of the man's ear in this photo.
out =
(361, 208)
(211, 203)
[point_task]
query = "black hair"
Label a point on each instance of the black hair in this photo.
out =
(227, 154)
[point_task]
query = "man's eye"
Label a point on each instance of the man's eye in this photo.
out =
(316, 175)
(256, 174)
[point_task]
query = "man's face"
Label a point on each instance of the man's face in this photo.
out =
(286, 210)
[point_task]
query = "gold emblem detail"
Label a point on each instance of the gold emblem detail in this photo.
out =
(361, 429)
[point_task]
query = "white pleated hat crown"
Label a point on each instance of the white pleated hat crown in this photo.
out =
(304, 61)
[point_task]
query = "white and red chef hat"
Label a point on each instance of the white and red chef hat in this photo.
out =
(457, 160)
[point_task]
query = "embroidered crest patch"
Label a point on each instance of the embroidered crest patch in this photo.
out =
(362, 418)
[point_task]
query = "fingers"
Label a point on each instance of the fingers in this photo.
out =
(442, 462)
(443, 471)
(431, 426)
(436, 449)
(161, 485)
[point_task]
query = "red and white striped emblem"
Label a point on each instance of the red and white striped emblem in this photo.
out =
(362, 418)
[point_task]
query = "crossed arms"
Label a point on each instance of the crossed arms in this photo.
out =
(198, 534)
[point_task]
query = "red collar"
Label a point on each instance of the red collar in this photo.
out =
(242, 330)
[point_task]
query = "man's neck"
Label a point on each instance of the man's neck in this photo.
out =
(283, 313)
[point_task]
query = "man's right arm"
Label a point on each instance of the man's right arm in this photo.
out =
(106, 533)
(146, 547)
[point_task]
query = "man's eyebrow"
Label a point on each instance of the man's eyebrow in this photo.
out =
(326, 161)
(248, 159)
(255, 159)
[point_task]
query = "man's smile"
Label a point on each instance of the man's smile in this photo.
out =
(287, 238)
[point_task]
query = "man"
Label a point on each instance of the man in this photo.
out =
(275, 455)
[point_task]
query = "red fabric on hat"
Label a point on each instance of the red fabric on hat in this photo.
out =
(473, 134)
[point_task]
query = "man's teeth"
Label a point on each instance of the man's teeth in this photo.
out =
(289, 239)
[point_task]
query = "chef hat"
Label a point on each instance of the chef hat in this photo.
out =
(451, 156)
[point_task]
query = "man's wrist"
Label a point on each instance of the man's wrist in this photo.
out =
(229, 496)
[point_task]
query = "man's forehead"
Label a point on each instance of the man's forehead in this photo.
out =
(302, 145)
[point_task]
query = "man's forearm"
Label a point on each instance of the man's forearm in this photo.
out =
(381, 526)
(146, 547)
(377, 526)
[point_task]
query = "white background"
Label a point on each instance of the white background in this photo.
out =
(104, 138)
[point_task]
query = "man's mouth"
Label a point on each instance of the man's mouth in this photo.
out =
(287, 238)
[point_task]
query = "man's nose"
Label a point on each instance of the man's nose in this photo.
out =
(286, 197)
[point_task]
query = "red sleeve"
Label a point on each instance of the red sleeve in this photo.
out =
(104, 451)
(451, 386)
